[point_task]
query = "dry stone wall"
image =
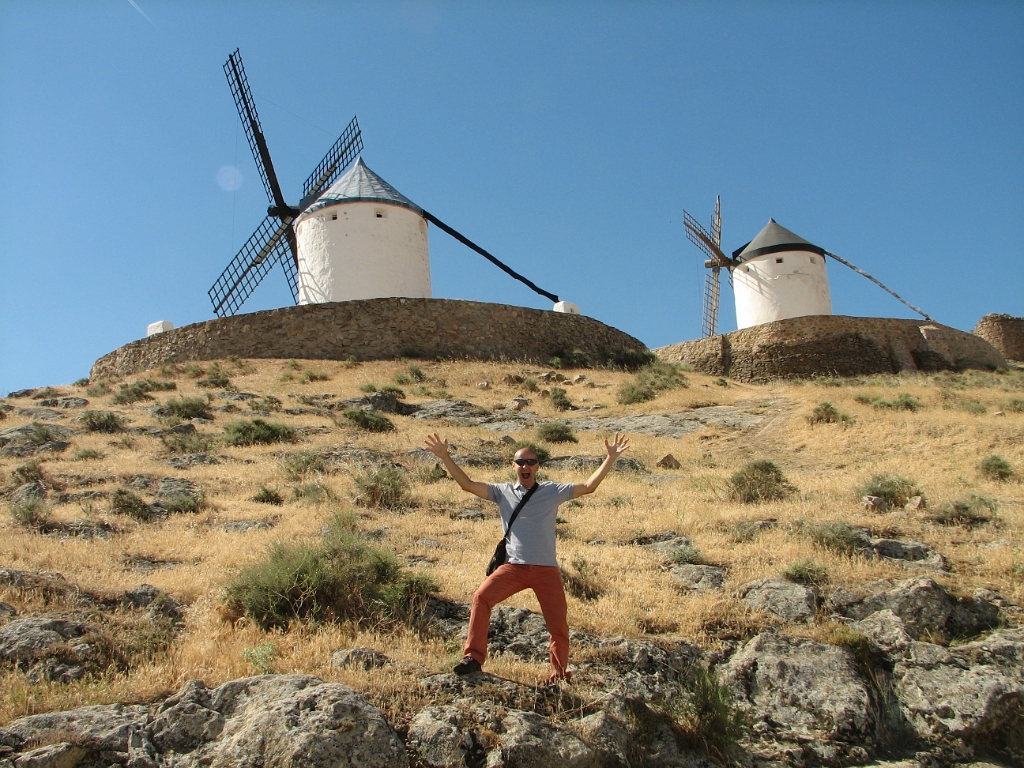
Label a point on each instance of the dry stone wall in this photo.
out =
(375, 329)
(1005, 333)
(834, 345)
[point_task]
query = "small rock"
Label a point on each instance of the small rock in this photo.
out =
(468, 514)
(190, 460)
(873, 503)
(64, 402)
(244, 526)
(915, 503)
(22, 393)
(359, 658)
(7, 611)
(998, 413)
(176, 486)
(513, 379)
(428, 543)
(668, 461)
(483, 385)
(518, 403)
(507, 440)
(699, 578)
(579, 379)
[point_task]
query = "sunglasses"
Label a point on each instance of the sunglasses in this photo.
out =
(525, 462)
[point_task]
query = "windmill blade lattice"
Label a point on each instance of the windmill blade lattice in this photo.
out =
(267, 245)
(712, 294)
(345, 150)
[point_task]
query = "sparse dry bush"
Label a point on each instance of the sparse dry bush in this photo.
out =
(257, 432)
(826, 413)
(556, 432)
(996, 468)
(894, 491)
(759, 481)
(384, 487)
(368, 420)
(968, 512)
(124, 502)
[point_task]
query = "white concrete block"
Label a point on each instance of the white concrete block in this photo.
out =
(159, 327)
(567, 308)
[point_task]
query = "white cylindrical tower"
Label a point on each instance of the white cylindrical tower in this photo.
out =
(779, 275)
(362, 239)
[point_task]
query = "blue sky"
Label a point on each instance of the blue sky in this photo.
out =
(566, 138)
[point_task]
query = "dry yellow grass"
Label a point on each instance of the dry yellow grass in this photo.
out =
(938, 447)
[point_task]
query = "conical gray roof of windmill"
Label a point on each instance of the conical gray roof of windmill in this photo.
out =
(775, 238)
(360, 184)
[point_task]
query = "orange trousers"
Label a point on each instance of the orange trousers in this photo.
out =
(507, 580)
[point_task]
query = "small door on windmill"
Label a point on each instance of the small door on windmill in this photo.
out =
(376, 248)
(779, 275)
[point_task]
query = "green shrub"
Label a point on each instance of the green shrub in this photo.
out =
(124, 502)
(45, 393)
(33, 512)
(556, 432)
(261, 657)
(838, 536)
(575, 359)
(759, 481)
(86, 454)
(902, 402)
(31, 472)
(996, 468)
(309, 376)
(384, 487)
(582, 581)
(415, 373)
(628, 359)
(969, 512)
(265, 403)
(257, 431)
(303, 463)
(632, 393)
(340, 578)
(268, 496)
(432, 473)
(826, 413)
(709, 716)
(1014, 405)
(806, 572)
(99, 389)
(368, 388)
(314, 492)
(101, 421)
(689, 555)
(391, 389)
(559, 399)
(401, 378)
(893, 490)
(186, 408)
(215, 378)
(530, 384)
(368, 420)
(543, 454)
(40, 434)
(82, 382)
(180, 503)
(139, 390)
(192, 442)
(194, 371)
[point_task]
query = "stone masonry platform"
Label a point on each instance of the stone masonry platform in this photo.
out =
(375, 329)
(834, 345)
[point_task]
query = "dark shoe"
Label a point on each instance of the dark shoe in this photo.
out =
(467, 666)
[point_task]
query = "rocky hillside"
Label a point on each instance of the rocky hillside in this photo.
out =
(255, 563)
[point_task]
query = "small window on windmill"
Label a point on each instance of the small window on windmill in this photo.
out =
(378, 212)
(778, 260)
(334, 215)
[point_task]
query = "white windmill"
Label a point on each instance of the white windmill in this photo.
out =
(776, 276)
(353, 237)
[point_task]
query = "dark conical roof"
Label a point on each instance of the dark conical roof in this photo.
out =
(773, 239)
(360, 184)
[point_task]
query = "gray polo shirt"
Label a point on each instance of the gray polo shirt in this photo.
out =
(532, 541)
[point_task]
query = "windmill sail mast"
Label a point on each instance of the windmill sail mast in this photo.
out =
(710, 243)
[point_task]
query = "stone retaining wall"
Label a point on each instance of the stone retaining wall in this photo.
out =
(834, 345)
(375, 329)
(1005, 333)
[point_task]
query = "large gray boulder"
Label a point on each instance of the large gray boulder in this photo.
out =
(972, 692)
(443, 737)
(529, 740)
(780, 598)
(804, 698)
(54, 649)
(927, 609)
(273, 721)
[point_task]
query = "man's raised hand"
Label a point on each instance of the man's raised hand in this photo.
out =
(617, 447)
(437, 446)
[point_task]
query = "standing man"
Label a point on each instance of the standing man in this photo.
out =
(531, 561)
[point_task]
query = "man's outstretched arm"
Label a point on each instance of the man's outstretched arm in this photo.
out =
(615, 449)
(439, 448)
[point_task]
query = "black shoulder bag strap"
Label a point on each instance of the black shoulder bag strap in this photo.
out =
(519, 507)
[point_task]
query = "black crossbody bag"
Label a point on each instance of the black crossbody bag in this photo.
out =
(500, 551)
